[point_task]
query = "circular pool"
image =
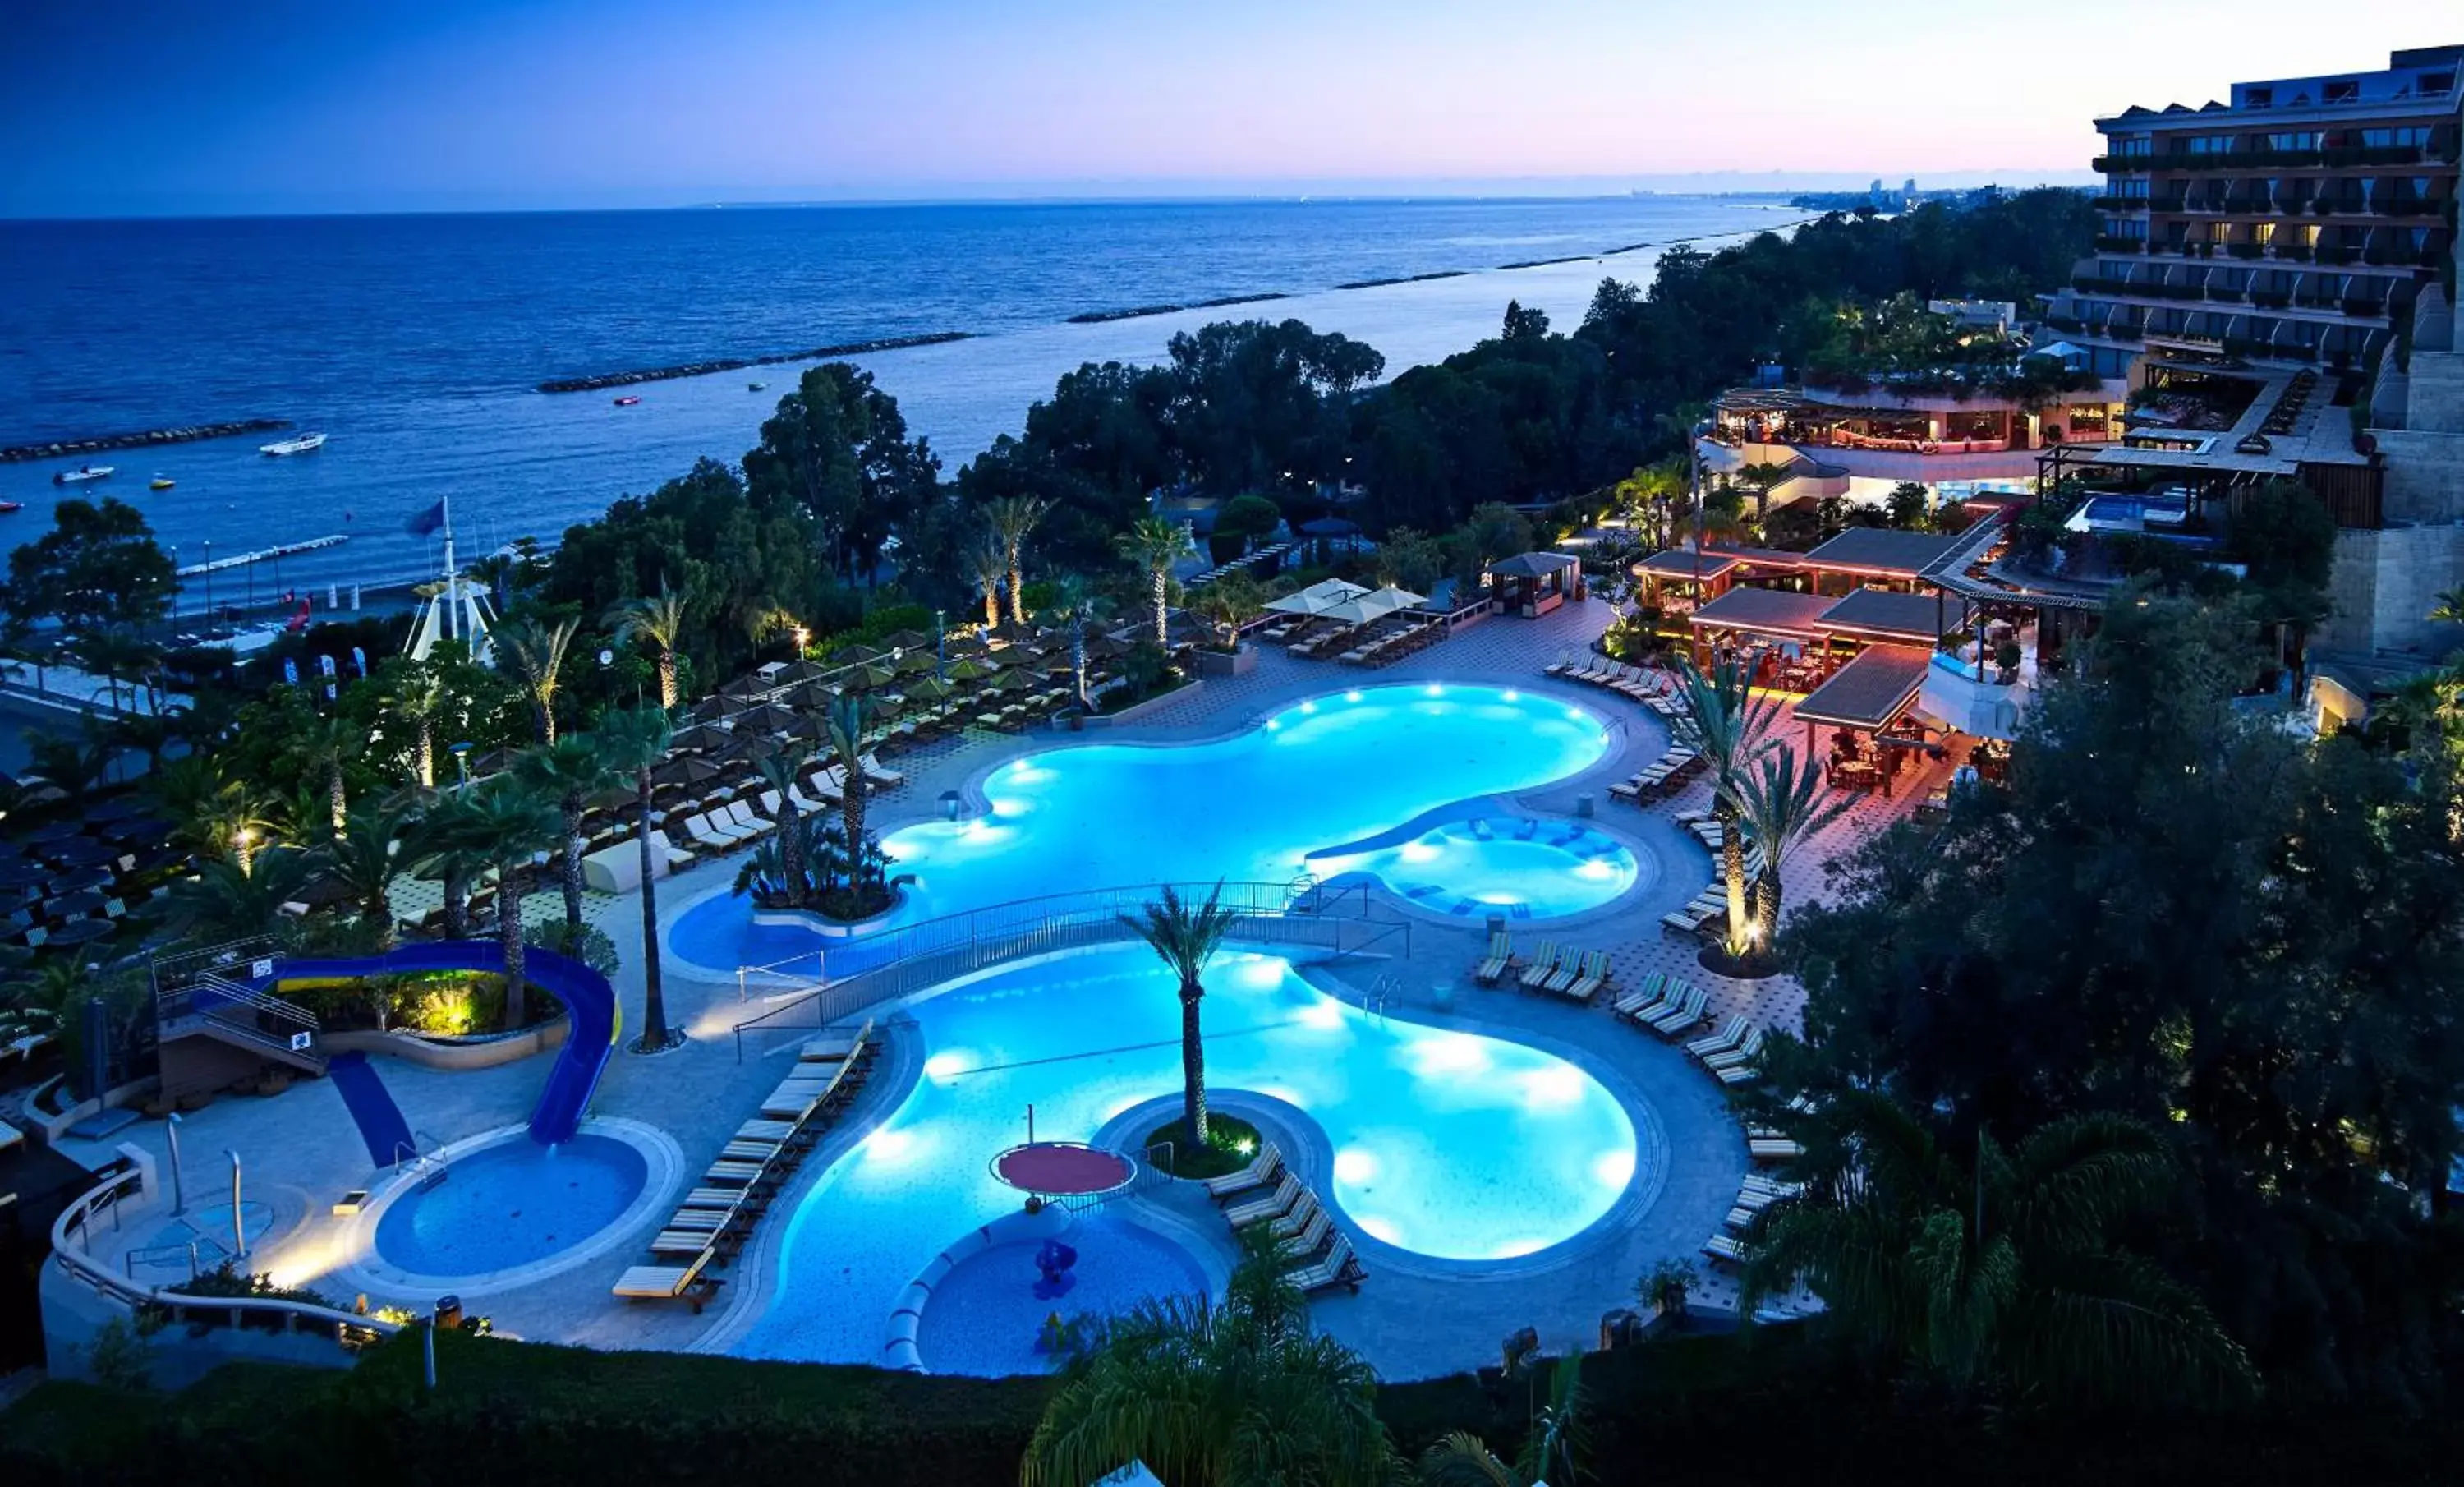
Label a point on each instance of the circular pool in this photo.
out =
(989, 1312)
(1517, 867)
(509, 1206)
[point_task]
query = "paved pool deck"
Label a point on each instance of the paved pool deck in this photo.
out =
(301, 1150)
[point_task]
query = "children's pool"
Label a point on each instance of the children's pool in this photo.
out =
(1252, 807)
(1444, 1144)
(1521, 868)
(511, 1204)
(988, 1313)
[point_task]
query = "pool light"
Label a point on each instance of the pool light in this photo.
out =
(1435, 690)
(1274, 725)
(1513, 696)
(1308, 707)
(1448, 1054)
(1382, 1230)
(1556, 1084)
(892, 1147)
(1324, 1013)
(947, 1064)
(1615, 1168)
(1598, 870)
(1354, 1165)
(1419, 852)
(1353, 695)
(1513, 1249)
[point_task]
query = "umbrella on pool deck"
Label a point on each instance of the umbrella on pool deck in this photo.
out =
(970, 669)
(709, 709)
(82, 931)
(768, 718)
(795, 671)
(965, 642)
(55, 831)
(865, 678)
(687, 772)
(119, 809)
(856, 655)
(81, 853)
(929, 689)
(615, 797)
(812, 694)
(700, 738)
(906, 640)
(913, 662)
(1317, 597)
(1009, 682)
(78, 905)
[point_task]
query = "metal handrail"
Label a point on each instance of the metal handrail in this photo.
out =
(942, 949)
(236, 993)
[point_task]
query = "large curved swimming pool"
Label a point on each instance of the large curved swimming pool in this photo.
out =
(1446, 1144)
(1254, 807)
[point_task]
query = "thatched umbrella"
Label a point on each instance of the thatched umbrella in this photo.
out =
(686, 773)
(710, 709)
(856, 655)
(811, 695)
(867, 678)
(1009, 682)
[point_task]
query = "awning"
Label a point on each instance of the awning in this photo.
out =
(1679, 562)
(1317, 597)
(1870, 692)
(1879, 551)
(1372, 606)
(1768, 611)
(1880, 614)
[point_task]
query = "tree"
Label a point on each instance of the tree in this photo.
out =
(324, 747)
(414, 693)
(243, 897)
(1230, 602)
(510, 823)
(1549, 1448)
(988, 565)
(115, 653)
(2009, 1273)
(1522, 325)
(1215, 1396)
(1778, 800)
(74, 762)
(836, 447)
(1411, 560)
(1152, 544)
(2449, 609)
(1244, 519)
(660, 621)
(568, 771)
(1077, 608)
(361, 861)
(779, 769)
(636, 739)
(842, 728)
(1724, 721)
(447, 844)
(1014, 519)
(537, 654)
(97, 568)
(1185, 937)
(1910, 505)
(214, 816)
(1765, 478)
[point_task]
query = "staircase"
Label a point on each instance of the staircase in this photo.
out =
(215, 1032)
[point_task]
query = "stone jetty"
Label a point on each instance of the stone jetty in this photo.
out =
(626, 379)
(69, 449)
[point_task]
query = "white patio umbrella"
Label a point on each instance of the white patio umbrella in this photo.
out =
(1318, 598)
(1371, 605)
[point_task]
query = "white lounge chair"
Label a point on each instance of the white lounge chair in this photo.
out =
(1260, 1171)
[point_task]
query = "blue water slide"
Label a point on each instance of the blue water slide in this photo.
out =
(371, 1105)
(585, 992)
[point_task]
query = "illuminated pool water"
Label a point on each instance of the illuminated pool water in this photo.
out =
(1249, 809)
(985, 1314)
(511, 1204)
(1446, 1144)
(1523, 868)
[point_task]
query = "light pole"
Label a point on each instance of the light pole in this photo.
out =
(462, 764)
(179, 1183)
(209, 584)
(941, 645)
(239, 1226)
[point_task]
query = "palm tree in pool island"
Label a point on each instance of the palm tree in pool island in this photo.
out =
(1014, 519)
(1186, 936)
(842, 728)
(636, 738)
(1154, 544)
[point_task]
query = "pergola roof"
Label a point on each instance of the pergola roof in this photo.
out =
(1878, 550)
(1534, 565)
(1766, 610)
(1871, 691)
(1878, 614)
(1679, 562)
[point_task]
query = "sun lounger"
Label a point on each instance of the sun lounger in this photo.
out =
(1596, 975)
(1272, 1205)
(1501, 954)
(669, 1282)
(737, 1172)
(1730, 1033)
(1541, 966)
(1772, 1149)
(1740, 1073)
(828, 1050)
(1725, 1247)
(1686, 1013)
(1570, 969)
(1260, 1171)
(701, 830)
(1305, 1215)
(706, 1220)
(878, 775)
(1339, 1267)
(1747, 1051)
(765, 1130)
(1654, 994)
(750, 1150)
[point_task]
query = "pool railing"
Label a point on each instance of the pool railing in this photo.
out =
(884, 968)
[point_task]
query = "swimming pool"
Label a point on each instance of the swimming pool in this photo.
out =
(1520, 867)
(511, 1204)
(986, 1314)
(1249, 809)
(1444, 1144)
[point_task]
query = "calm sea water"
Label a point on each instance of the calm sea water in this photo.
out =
(416, 341)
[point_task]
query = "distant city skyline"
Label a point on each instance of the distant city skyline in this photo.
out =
(134, 107)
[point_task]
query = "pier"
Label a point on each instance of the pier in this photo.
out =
(626, 379)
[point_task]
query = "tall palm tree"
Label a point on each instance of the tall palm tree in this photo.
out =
(216, 817)
(416, 698)
(636, 739)
(1185, 937)
(1550, 1447)
(568, 771)
(227, 901)
(2449, 609)
(1724, 721)
(539, 654)
(363, 863)
(323, 748)
(1764, 479)
(510, 823)
(660, 620)
(1077, 609)
(117, 652)
(1779, 801)
(779, 769)
(2007, 1271)
(1014, 519)
(843, 727)
(445, 844)
(988, 565)
(1215, 1396)
(1153, 546)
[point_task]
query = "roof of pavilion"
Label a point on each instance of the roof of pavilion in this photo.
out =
(1680, 562)
(1871, 691)
(1879, 551)
(1880, 614)
(1765, 610)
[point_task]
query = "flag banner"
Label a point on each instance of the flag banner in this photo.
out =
(428, 522)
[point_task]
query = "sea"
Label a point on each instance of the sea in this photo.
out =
(416, 344)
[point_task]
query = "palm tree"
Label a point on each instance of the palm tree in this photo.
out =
(324, 746)
(1153, 546)
(116, 653)
(150, 734)
(227, 901)
(2010, 1271)
(843, 727)
(1185, 937)
(1779, 801)
(989, 565)
(1724, 721)
(538, 656)
(2450, 608)
(444, 845)
(1216, 1395)
(74, 764)
(363, 862)
(661, 621)
(1077, 608)
(1231, 602)
(510, 823)
(1548, 1447)
(779, 769)
(417, 698)
(636, 739)
(1764, 479)
(215, 816)
(1013, 517)
(568, 771)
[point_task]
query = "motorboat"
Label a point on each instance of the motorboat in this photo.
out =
(8, 506)
(297, 444)
(82, 473)
(626, 401)
(161, 482)
(755, 387)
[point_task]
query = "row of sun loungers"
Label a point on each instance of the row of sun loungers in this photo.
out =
(1658, 777)
(717, 1217)
(1269, 1193)
(1617, 676)
(1664, 1003)
(1577, 975)
(1384, 650)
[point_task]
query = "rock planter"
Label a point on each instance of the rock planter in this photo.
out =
(828, 929)
(1239, 662)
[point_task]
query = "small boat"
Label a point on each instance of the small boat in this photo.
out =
(8, 506)
(297, 444)
(82, 473)
(161, 482)
(755, 387)
(626, 401)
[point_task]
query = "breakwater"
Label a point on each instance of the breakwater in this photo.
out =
(1404, 279)
(69, 449)
(626, 379)
(1542, 264)
(1102, 316)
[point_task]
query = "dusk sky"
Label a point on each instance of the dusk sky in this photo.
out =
(115, 106)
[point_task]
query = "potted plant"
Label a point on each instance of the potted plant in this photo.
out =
(1226, 604)
(2005, 662)
(1664, 1291)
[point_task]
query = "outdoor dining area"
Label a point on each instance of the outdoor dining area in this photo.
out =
(1356, 625)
